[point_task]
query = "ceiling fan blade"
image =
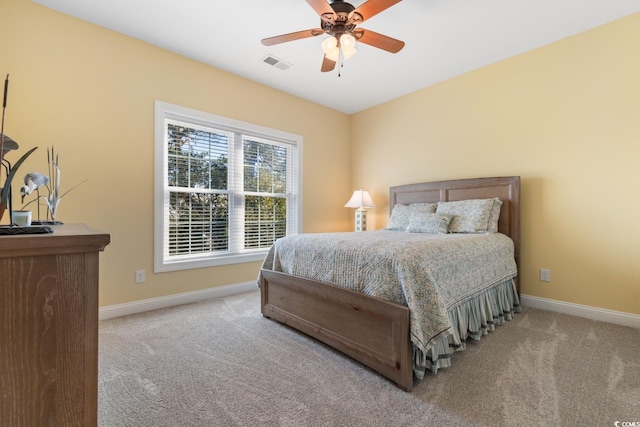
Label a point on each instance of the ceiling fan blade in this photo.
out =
(327, 64)
(381, 41)
(270, 41)
(320, 6)
(371, 8)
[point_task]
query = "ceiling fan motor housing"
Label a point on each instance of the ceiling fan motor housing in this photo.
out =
(342, 21)
(342, 6)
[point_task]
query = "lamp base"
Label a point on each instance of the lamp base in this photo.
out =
(361, 220)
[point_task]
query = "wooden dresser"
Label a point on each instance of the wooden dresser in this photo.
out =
(49, 327)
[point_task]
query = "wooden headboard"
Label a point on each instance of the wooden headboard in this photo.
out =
(506, 189)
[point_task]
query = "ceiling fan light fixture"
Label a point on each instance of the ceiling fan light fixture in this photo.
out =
(339, 20)
(348, 45)
(347, 40)
(333, 55)
(330, 48)
(329, 44)
(348, 53)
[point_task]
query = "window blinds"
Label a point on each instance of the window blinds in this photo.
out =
(227, 190)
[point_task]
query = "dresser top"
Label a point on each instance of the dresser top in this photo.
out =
(66, 238)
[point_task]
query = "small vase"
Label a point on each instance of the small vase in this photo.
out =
(21, 218)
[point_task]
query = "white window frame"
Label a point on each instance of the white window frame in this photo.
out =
(162, 261)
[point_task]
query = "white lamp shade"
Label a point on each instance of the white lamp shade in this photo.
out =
(360, 199)
(348, 53)
(330, 48)
(333, 55)
(348, 45)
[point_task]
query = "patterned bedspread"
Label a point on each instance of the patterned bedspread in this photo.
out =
(429, 273)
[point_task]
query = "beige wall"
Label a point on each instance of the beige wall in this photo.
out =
(90, 92)
(566, 118)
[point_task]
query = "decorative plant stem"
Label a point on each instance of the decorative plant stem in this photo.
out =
(4, 108)
(54, 197)
(51, 183)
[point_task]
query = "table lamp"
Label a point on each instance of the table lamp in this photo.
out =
(360, 200)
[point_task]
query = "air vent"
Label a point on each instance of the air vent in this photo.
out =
(278, 63)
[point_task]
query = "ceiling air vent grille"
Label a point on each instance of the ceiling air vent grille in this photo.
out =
(278, 63)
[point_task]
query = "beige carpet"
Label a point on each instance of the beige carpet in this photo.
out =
(220, 363)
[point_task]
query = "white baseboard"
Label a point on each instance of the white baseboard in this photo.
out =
(125, 309)
(593, 313)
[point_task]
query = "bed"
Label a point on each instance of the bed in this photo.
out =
(380, 331)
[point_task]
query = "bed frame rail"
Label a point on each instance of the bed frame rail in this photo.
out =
(372, 331)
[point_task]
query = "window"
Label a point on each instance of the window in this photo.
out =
(225, 190)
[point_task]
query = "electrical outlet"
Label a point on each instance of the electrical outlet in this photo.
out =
(545, 275)
(140, 276)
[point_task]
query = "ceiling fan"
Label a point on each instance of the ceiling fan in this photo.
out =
(340, 20)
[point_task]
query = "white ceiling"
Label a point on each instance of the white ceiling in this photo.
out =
(444, 38)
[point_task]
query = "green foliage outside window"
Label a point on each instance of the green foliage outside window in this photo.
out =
(198, 177)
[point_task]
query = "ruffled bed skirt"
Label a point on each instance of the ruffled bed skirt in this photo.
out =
(473, 318)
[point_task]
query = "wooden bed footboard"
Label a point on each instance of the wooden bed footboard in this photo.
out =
(372, 331)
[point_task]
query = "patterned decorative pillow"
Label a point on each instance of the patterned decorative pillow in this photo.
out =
(495, 216)
(429, 223)
(471, 216)
(401, 214)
